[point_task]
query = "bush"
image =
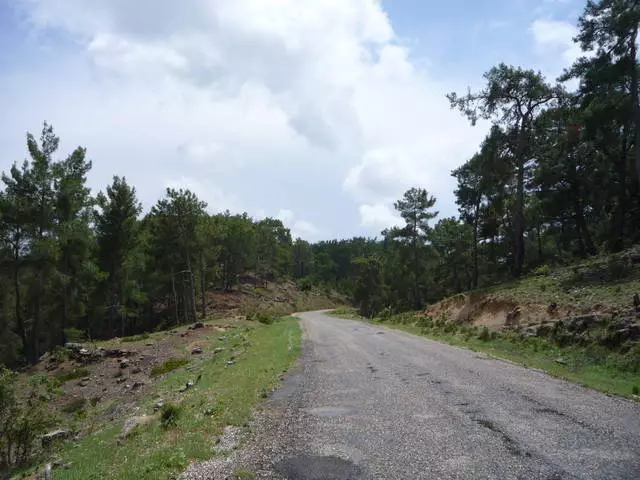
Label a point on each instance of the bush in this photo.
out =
(485, 335)
(304, 284)
(542, 270)
(635, 390)
(169, 415)
(265, 318)
(22, 421)
(168, 366)
(617, 268)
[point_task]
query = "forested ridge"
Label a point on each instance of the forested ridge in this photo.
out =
(555, 180)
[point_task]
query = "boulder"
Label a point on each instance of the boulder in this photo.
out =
(196, 351)
(61, 434)
(131, 423)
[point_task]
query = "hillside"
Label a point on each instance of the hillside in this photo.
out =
(603, 288)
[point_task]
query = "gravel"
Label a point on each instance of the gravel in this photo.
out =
(363, 405)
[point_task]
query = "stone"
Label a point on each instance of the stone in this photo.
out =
(196, 326)
(218, 350)
(158, 406)
(124, 363)
(136, 370)
(231, 362)
(55, 435)
(196, 351)
(560, 361)
(133, 422)
(137, 385)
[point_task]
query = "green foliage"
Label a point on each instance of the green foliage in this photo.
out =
(304, 284)
(264, 318)
(169, 415)
(22, 420)
(542, 270)
(74, 335)
(168, 366)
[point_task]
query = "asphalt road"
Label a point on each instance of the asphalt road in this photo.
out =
(374, 403)
(370, 403)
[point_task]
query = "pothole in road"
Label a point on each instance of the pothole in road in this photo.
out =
(312, 467)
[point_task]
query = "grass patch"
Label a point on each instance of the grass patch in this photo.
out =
(136, 338)
(243, 473)
(224, 395)
(65, 376)
(592, 366)
(168, 366)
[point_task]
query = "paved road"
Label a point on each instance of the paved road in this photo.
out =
(397, 406)
(372, 403)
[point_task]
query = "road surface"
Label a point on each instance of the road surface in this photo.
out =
(374, 403)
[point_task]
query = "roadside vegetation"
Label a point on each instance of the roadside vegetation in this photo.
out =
(155, 433)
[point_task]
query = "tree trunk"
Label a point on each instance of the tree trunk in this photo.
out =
(518, 220)
(203, 284)
(636, 99)
(18, 304)
(476, 221)
(175, 298)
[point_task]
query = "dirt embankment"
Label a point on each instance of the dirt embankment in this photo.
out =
(496, 312)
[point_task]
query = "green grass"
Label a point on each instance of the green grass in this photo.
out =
(68, 375)
(586, 287)
(594, 367)
(136, 338)
(227, 394)
(167, 366)
(243, 473)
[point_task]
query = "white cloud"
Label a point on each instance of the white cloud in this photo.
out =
(378, 217)
(267, 101)
(552, 37)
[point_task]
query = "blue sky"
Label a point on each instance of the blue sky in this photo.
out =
(320, 113)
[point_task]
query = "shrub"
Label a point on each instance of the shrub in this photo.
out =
(542, 270)
(617, 268)
(304, 284)
(635, 390)
(265, 318)
(22, 421)
(485, 335)
(75, 406)
(168, 366)
(169, 415)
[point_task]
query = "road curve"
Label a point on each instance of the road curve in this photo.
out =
(373, 403)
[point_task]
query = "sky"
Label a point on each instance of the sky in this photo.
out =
(318, 112)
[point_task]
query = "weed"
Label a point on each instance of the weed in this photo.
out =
(169, 415)
(168, 366)
(75, 406)
(485, 335)
(136, 338)
(635, 390)
(243, 473)
(65, 376)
